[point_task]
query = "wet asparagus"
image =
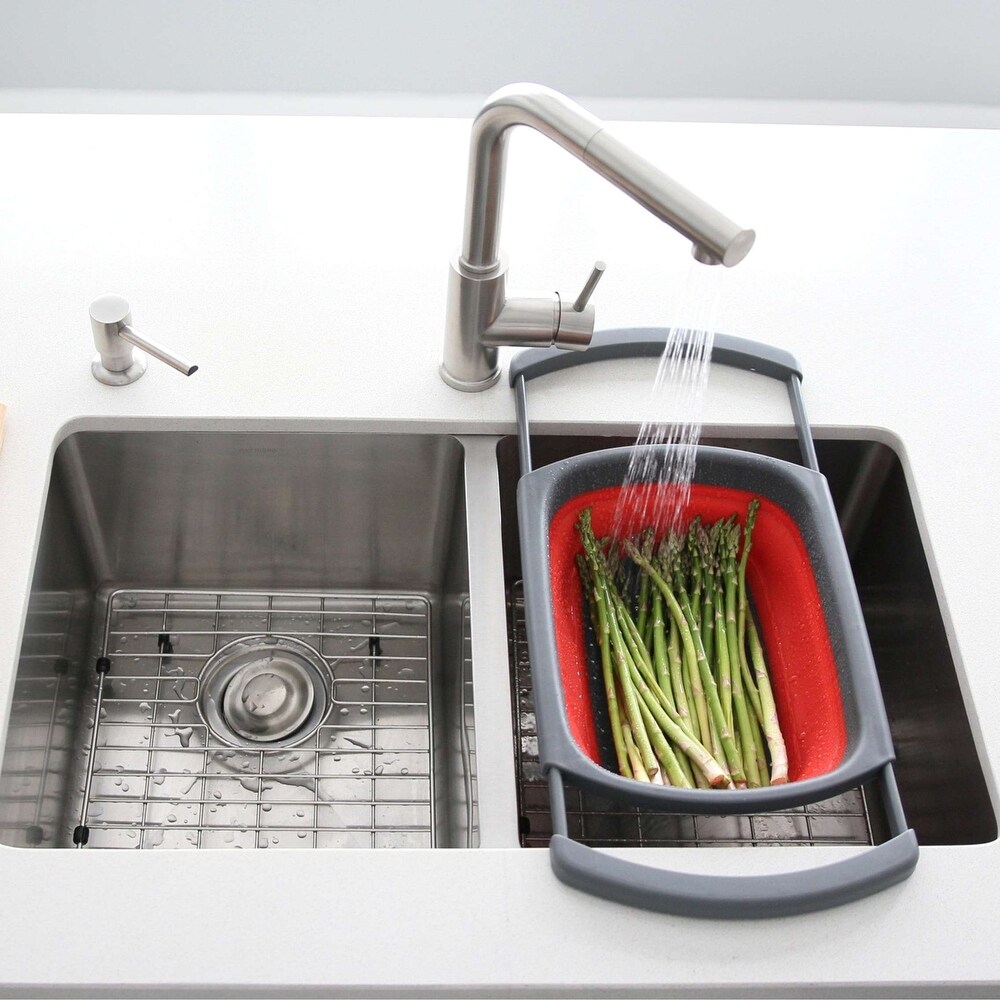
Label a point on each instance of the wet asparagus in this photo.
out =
(688, 694)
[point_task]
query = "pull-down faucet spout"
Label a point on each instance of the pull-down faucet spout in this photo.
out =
(480, 317)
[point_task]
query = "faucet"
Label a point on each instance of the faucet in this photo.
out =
(116, 363)
(480, 316)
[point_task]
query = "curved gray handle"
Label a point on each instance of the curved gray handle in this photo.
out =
(731, 897)
(648, 342)
(734, 896)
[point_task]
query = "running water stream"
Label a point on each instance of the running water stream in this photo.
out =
(674, 413)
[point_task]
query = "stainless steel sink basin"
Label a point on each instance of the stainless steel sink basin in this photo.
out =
(327, 573)
(940, 776)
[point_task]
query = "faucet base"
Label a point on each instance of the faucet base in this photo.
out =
(134, 371)
(467, 386)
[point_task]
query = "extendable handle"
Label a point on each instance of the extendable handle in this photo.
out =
(727, 896)
(650, 342)
(642, 342)
(116, 363)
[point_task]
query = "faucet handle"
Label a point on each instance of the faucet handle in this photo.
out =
(576, 325)
(588, 289)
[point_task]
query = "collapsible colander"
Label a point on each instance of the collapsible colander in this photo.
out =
(826, 688)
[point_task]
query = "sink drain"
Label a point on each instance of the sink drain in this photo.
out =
(264, 691)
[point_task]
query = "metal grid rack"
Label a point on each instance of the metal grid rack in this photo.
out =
(39, 749)
(600, 822)
(157, 776)
(467, 733)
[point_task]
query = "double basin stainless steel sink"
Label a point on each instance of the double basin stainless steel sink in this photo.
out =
(253, 639)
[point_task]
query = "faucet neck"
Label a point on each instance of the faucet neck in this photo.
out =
(716, 238)
(544, 110)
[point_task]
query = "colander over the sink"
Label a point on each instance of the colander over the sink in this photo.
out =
(824, 676)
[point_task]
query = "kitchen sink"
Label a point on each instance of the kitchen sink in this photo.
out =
(938, 769)
(265, 639)
(247, 639)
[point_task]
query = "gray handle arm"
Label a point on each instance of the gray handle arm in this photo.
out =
(649, 342)
(736, 352)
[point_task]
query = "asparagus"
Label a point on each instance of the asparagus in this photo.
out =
(636, 730)
(748, 743)
(766, 711)
(680, 608)
(660, 655)
(772, 731)
(600, 618)
(689, 698)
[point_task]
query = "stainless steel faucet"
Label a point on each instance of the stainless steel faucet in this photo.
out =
(480, 316)
(116, 362)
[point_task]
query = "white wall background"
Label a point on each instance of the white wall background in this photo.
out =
(930, 61)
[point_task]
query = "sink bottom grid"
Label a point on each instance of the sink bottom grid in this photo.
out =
(600, 822)
(157, 775)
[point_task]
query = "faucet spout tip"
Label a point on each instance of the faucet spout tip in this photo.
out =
(736, 249)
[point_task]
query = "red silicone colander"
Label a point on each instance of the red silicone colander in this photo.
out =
(789, 613)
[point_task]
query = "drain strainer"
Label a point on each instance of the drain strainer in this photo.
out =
(264, 691)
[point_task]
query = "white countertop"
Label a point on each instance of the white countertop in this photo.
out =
(302, 263)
